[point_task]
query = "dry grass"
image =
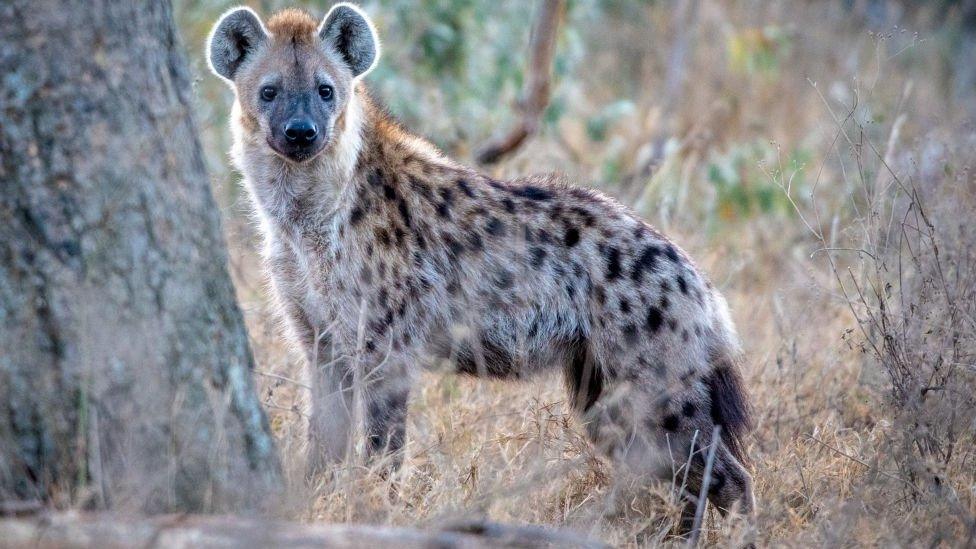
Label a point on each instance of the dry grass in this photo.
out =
(843, 240)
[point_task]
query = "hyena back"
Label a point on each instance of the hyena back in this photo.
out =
(385, 256)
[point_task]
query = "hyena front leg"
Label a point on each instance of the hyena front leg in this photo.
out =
(332, 409)
(386, 420)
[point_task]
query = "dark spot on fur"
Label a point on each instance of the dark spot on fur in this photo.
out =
(475, 242)
(375, 178)
(509, 205)
(671, 253)
(682, 285)
(688, 409)
(671, 422)
(404, 212)
(673, 324)
(685, 336)
(646, 261)
(465, 188)
(422, 188)
(654, 319)
(504, 279)
(538, 256)
(495, 227)
(601, 296)
(383, 236)
(584, 214)
(664, 303)
(630, 334)
(665, 287)
(613, 264)
(453, 245)
(355, 216)
(572, 237)
(532, 192)
(444, 210)
(624, 305)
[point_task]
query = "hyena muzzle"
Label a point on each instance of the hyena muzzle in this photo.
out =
(384, 256)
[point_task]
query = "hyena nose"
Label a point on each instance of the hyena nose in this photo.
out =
(301, 131)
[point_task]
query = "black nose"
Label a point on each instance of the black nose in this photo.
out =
(301, 131)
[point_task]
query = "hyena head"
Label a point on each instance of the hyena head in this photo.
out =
(293, 78)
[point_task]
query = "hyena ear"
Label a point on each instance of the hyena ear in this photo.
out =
(237, 34)
(347, 29)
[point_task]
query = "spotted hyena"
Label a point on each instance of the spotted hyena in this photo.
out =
(385, 257)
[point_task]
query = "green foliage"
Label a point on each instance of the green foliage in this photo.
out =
(598, 125)
(749, 180)
(759, 50)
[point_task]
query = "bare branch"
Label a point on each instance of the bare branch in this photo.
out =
(538, 83)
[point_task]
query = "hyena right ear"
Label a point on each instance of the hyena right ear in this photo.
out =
(237, 34)
(347, 29)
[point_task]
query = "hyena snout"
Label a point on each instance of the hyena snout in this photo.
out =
(301, 132)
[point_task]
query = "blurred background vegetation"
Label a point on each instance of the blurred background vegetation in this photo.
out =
(767, 137)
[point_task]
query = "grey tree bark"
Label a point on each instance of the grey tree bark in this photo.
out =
(125, 369)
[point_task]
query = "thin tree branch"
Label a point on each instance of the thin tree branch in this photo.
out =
(538, 83)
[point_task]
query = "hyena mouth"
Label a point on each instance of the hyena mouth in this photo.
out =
(299, 154)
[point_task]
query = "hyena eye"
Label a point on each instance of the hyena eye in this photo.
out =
(325, 92)
(268, 93)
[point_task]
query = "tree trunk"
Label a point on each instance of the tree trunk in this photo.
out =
(125, 370)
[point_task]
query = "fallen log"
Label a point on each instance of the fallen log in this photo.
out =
(70, 530)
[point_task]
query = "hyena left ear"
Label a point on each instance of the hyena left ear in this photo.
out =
(347, 29)
(235, 37)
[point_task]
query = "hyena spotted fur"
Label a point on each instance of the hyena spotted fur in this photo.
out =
(386, 257)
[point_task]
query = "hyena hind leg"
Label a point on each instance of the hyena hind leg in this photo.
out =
(650, 433)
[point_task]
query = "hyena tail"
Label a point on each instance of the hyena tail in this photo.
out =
(730, 403)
